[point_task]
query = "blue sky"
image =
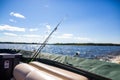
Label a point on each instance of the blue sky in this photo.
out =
(96, 21)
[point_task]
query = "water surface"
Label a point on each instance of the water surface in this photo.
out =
(85, 51)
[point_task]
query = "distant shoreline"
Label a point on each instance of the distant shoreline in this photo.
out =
(79, 44)
(87, 44)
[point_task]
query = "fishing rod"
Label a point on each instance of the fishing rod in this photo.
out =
(44, 43)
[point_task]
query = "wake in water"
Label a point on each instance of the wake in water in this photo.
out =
(113, 57)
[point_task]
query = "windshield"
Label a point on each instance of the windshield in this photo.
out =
(80, 33)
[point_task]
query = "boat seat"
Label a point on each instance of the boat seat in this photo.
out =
(25, 71)
(40, 71)
(22, 70)
(63, 74)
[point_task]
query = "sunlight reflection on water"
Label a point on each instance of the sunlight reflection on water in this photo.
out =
(85, 51)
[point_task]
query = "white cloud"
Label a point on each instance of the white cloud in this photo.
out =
(70, 38)
(11, 28)
(18, 15)
(85, 39)
(10, 34)
(11, 20)
(11, 37)
(48, 28)
(33, 29)
(31, 38)
(66, 36)
(31, 35)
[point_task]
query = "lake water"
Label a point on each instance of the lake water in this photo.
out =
(85, 51)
